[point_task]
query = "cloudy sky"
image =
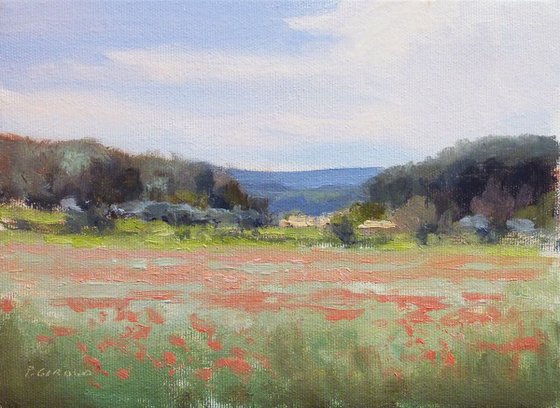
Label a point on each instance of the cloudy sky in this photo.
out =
(280, 85)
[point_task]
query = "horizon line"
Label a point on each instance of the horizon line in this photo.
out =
(305, 170)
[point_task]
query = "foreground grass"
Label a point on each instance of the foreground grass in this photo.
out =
(280, 361)
(506, 353)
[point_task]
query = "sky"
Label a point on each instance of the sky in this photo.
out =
(280, 85)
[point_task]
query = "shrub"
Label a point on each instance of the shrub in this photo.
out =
(93, 219)
(424, 232)
(415, 214)
(541, 213)
(342, 227)
(360, 212)
(189, 197)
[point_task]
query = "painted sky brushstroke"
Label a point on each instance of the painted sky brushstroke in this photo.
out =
(280, 85)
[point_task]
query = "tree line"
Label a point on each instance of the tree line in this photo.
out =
(42, 173)
(497, 176)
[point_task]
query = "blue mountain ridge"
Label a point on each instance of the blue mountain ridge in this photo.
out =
(312, 192)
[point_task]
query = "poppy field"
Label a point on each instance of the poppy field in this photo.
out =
(278, 327)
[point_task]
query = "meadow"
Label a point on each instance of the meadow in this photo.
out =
(146, 317)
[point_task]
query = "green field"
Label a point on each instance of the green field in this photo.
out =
(145, 317)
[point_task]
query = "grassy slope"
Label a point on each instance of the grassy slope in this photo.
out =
(41, 226)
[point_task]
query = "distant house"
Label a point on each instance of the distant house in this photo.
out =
(370, 227)
(302, 221)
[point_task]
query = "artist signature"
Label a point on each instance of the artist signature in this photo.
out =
(43, 372)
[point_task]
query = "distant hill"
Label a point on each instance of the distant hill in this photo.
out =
(313, 192)
(497, 176)
(42, 172)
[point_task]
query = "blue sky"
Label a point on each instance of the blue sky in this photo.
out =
(280, 85)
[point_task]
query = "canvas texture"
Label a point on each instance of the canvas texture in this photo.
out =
(259, 204)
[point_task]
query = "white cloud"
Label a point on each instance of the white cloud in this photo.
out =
(375, 33)
(366, 35)
(176, 66)
(73, 114)
(232, 140)
(418, 75)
